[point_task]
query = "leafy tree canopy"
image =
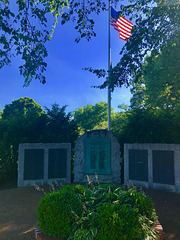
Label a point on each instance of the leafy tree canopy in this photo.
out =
(21, 121)
(25, 30)
(60, 127)
(92, 117)
(154, 114)
(159, 84)
(156, 27)
(23, 105)
(147, 126)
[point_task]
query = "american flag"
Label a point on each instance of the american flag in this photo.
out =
(121, 24)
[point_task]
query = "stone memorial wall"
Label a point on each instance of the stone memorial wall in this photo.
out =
(154, 166)
(97, 153)
(44, 163)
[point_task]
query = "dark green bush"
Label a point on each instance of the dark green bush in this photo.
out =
(115, 221)
(58, 211)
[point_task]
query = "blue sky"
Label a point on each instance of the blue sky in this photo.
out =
(67, 83)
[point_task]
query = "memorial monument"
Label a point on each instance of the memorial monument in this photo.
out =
(97, 153)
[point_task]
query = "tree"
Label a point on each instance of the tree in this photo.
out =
(60, 127)
(92, 117)
(140, 125)
(157, 25)
(22, 121)
(119, 121)
(156, 29)
(24, 27)
(154, 112)
(157, 90)
(24, 105)
(159, 84)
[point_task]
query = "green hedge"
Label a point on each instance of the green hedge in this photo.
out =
(57, 212)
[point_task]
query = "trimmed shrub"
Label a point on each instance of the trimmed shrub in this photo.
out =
(117, 221)
(58, 211)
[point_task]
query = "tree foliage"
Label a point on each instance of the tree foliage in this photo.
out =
(92, 117)
(24, 27)
(21, 122)
(147, 126)
(154, 114)
(21, 37)
(24, 121)
(25, 30)
(24, 106)
(60, 127)
(159, 84)
(119, 121)
(156, 28)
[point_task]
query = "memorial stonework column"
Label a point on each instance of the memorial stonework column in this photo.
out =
(97, 154)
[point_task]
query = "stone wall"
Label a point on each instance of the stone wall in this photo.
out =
(155, 166)
(42, 163)
(80, 157)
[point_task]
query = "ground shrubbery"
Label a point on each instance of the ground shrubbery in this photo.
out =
(99, 212)
(57, 210)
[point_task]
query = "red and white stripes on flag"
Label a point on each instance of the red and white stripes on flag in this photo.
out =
(121, 24)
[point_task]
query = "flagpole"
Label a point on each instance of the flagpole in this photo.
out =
(124, 27)
(109, 68)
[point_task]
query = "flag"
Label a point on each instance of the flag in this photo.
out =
(121, 24)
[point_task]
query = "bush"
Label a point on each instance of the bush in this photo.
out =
(101, 212)
(131, 216)
(140, 201)
(113, 213)
(57, 212)
(117, 221)
(79, 188)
